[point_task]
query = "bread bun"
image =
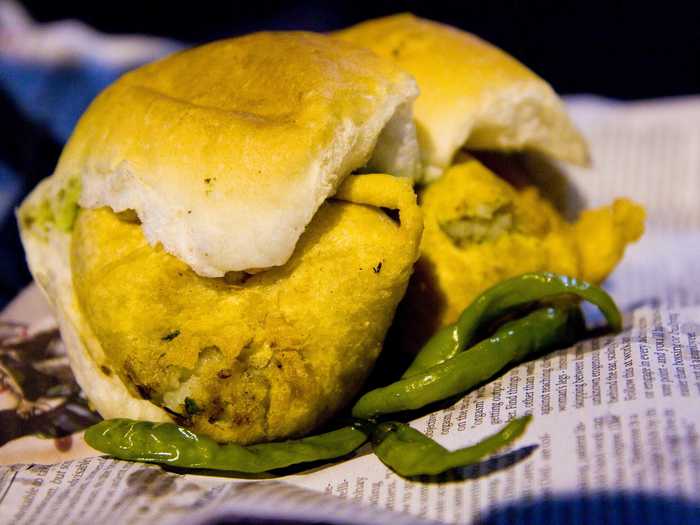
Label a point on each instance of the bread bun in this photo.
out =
(227, 150)
(472, 93)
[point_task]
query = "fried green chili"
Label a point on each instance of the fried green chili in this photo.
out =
(543, 329)
(498, 301)
(410, 453)
(170, 444)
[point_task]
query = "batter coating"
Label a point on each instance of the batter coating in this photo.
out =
(252, 357)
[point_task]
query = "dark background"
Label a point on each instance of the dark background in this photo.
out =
(620, 49)
(626, 50)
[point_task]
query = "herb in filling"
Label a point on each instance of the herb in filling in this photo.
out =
(170, 336)
(60, 211)
(191, 406)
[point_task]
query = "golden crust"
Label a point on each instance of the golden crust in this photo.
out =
(227, 150)
(472, 93)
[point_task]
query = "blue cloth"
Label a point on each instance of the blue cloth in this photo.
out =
(54, 96)
(39, 106)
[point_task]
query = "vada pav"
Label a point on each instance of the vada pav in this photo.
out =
(208, 253)
(476, 102)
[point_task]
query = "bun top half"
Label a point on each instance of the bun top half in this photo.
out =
(227, 150)
(472, 93)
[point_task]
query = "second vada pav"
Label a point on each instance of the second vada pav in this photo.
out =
(485, 123)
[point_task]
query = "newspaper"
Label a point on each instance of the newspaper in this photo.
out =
(616, 418)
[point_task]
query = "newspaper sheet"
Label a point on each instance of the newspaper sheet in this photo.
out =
(616, 419)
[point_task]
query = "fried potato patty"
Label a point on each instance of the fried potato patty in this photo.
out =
(479, 230)
(252, 357)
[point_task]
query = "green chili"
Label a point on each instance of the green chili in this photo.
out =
(498, 301)
(541, 330)
(410, 453)
(170, 444)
